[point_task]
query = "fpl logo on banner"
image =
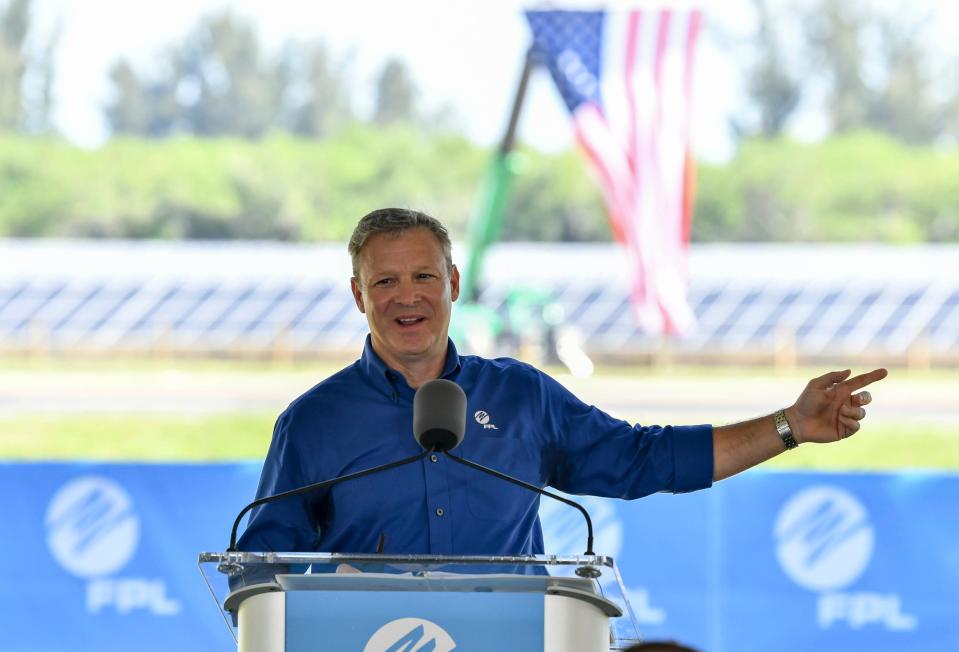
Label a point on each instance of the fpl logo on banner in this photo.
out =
(93, 532)
(824, 542)
(410, 635)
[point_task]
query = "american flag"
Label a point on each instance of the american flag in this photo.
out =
(627, 78)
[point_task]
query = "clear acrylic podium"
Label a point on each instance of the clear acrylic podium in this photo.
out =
(293, 602)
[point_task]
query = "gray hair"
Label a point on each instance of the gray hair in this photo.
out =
(394, 221)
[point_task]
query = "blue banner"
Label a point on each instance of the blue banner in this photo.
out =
(103, 557)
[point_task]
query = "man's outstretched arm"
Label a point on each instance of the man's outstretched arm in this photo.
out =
(829, 409)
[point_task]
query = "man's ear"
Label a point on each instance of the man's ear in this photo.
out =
(357, 295)
(454, 283)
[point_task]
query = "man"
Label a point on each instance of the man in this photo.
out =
(520, 421)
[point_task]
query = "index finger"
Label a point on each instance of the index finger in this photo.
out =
(860, 381)
(830, 379)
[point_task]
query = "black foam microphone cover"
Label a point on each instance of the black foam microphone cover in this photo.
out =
(439, 415)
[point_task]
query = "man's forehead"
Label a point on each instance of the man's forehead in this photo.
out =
(375, 256)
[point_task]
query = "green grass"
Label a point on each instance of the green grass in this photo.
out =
(41, 364)
(143, 437)
(885, 443)
(880, 446)
(246, 436)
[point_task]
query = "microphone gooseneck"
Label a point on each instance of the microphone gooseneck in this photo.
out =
(539, 490)
(313, 487)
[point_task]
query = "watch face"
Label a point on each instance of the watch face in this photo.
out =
(785, 432)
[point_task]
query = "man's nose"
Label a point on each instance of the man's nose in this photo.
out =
(407, 292)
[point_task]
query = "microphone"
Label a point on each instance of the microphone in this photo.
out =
(439, 424)
(439, 415)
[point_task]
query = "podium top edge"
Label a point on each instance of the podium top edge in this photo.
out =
(338, 558)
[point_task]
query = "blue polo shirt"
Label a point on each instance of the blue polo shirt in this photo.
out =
(519, 421)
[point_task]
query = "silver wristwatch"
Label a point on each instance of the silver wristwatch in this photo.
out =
(785, 432)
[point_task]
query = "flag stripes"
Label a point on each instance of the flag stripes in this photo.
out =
(627, 80)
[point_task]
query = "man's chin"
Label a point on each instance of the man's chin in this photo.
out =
(410, 348)
(415, 352)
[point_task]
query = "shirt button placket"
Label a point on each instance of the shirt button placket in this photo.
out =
(439, 511)
(438, 517)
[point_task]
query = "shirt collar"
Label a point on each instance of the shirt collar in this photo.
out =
(378, 372)
(452, 366)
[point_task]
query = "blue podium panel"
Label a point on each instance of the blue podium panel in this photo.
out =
(396, 621)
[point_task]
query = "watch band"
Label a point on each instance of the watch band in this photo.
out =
(785, 432)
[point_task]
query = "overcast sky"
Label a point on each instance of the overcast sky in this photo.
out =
(466, 54)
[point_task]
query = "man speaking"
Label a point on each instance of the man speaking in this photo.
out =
(520, 422)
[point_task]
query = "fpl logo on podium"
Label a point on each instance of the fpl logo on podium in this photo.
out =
(93, 532)
(410, 635)
(824, 542)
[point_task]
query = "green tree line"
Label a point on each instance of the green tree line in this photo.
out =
(865, 64)
(225, 138)
(857, 187)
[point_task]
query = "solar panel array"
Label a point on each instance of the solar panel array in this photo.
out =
(65, 296)
(816, 319)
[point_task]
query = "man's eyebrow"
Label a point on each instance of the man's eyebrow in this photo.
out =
(415, 270)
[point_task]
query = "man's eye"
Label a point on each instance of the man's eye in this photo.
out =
(425, 276)
(383, 282)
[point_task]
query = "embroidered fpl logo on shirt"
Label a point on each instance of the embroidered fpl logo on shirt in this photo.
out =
(482, 418)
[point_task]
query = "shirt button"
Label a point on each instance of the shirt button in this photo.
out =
(434, 458)
(439, 511)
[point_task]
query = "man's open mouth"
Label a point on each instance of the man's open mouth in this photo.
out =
(409, 321)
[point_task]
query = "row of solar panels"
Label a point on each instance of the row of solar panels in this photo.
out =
(71, 296)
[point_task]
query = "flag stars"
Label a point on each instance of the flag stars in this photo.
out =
(570, 43)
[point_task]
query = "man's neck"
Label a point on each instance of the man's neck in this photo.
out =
(416, 370)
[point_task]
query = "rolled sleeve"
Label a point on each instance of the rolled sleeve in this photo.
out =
(692, 458)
